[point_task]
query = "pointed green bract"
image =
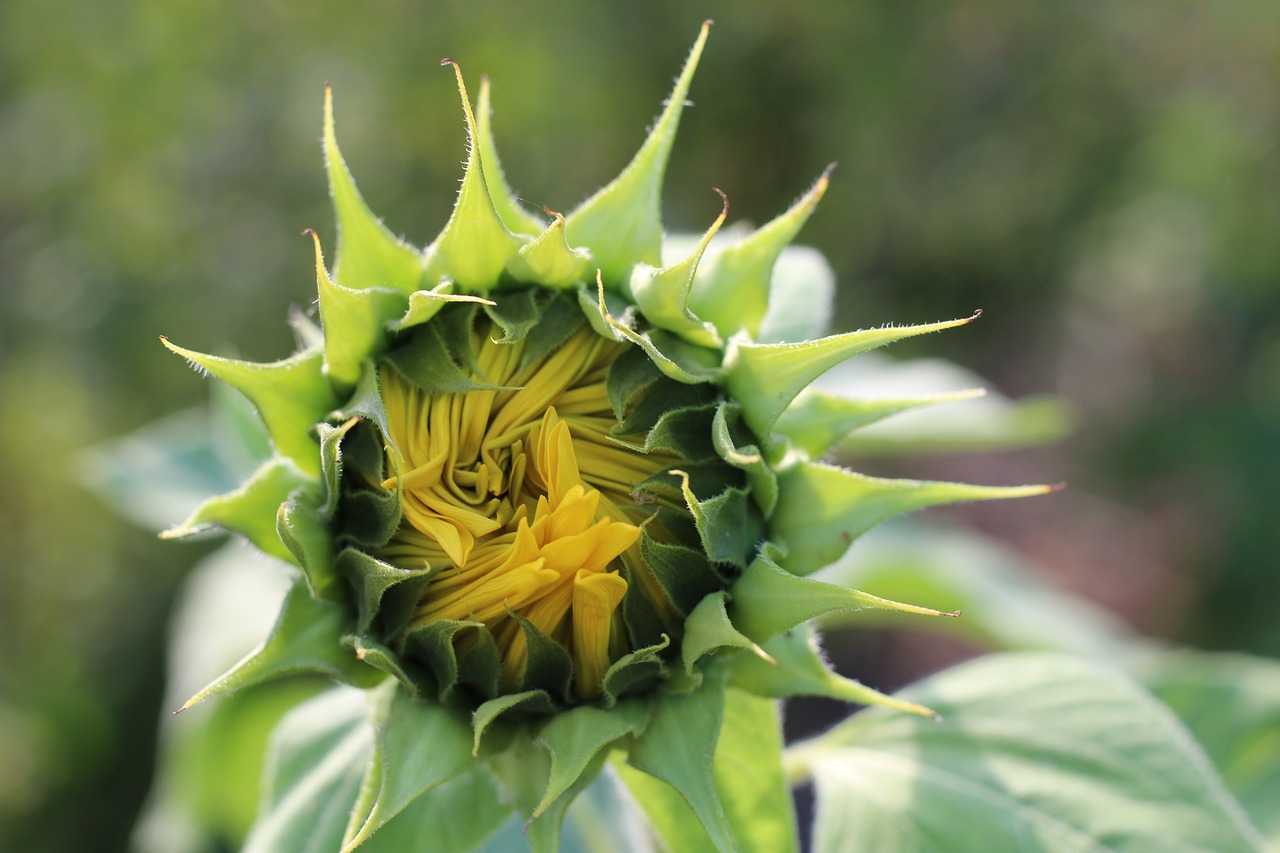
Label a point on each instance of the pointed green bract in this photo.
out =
(797, 667)
(369, 255)
(354, 322)
(662, 295)
(290, 395)
(250, 510)
(822, 509)
(732, 291)
(516, 218)
(622, 223)
(475, 245)
(765, 378)
(768, 600)
(549, 260)
(817, 421)
(306, 639)
(302, 527)
(709, 628)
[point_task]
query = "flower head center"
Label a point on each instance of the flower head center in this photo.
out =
(518, 499)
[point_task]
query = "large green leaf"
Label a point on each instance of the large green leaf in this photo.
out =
(1231, 703)
(314, 772)
(1034, 752)
(748, 779)
(1003, 601)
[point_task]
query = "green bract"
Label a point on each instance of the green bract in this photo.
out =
(610, 575)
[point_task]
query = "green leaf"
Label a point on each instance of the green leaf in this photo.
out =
(1231, 704)
(291, 396)
(765, 378)
(307, 638)
(767, 600)
(1006, 604)
(748, 779)
(709, 628)
(576, 736)
(822, 509)
(732, 290)
(475, 245)
(1034, 752)
(622, 223)
(250, 510)
(456, 817)
(369, 255)
(314, 770)
(749, 775)
(678, 747)
(371, 580)
(418, 745)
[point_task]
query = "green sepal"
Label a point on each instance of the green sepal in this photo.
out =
(560, 319)
(366, 402)
(663, 399)
(249, 510)
(767, 600)
(797, 667)
(475, 245)
(385, 659)
(728, 528)
(822, 509)
(301, 526)
(458, 655)
(306, 639)
(428, 361)
(817, 421)
(549, 260)
(635, 672)
(765, 378)
(516, 313)
(709, 628)
(622, 222)
(290, 396)
(354, 321)
(746, 457)
(662, 295)
(331, 463)
(676, 359)
(425, 304)
(683, 573)
(369, 255)
(678, 747)
(516, 218)
(575, 737)
(548, 666)
(630, 378)
(732, 290)
(418, 745)
(370, 517)
(371, 581)
(536, 702)
(683, 431)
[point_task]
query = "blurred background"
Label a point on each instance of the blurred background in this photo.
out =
(1103, 179)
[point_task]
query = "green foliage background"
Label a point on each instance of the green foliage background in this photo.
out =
(1103, 178)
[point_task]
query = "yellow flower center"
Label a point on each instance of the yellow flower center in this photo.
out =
(520, 501)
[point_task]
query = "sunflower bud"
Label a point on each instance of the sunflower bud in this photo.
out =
(537, 480)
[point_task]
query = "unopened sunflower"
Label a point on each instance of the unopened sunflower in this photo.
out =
(554, 501)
